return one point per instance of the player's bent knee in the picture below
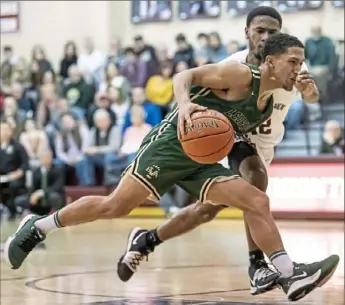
(260, 202)
(205, 212)
(113, 207)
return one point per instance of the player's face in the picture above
(286, 66)
(258, 31)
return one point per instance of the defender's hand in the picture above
(184, 115)
(305, 83)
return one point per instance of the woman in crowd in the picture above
(35, 142)
(70, 145)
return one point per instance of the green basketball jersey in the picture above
(244, 115)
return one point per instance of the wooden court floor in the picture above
(207, 266)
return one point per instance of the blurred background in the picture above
(83, 82)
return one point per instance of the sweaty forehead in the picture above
(265, 22)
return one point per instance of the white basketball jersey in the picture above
(271, 133)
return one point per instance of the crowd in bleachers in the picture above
(93, 111)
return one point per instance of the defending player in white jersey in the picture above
(250, 156)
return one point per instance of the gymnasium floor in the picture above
(207, 266)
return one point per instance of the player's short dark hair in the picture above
(202, 35)
(264, 11)
(278, 44)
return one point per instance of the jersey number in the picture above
(264, 128)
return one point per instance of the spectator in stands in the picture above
(135, 133)
(162, 53)
(147, 54)
(46, 105)
(61, 108)
(202, 49)
(114, 78)
(332, 139)
(216, 50)
(159, 88)
(233, 47)
(13, 166)
(46, 192)
(70, 58)
(71, 143)
(135, 70)
(153, 114)
(105, 141)
(185, 51)
(24, 103)
(116, 54)
(119, 104)
(21, 73)
(91, 62)
(40, 64)
(77, 91)
(320, 53)
(180, 66)
(101, 102)
(7, 68)
(35, 142)
(14, 116)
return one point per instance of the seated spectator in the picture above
(78, 93)
(91, 62)
(105, 141)
(216, 50)
(159, 88)
(113, 78)
(119, 104)
(332, 139)
(70, 57)
(162, 53)
(70, 145)
(180, 66)
(147, 54)
(185, 51)
(21, 73)
(115, 53)
(101, 102)
(202, 50)
(134, 134)
(153, 115)
(24, 103)
(135, 70)
(13, 166)
(7, 68)
(46, 105)
(14, 116)
(39, 64)
(233, 47)
(35, 142)
(46, 192)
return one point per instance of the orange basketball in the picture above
(210, 139)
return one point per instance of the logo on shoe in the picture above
(304, 274)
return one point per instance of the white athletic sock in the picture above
(49, 223)
(282, 262)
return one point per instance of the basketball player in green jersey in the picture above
(250, 155)
(243, 94)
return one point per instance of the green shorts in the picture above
(161, 163)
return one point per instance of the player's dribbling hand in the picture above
(184, 115)
(305, 83)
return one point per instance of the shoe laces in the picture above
(134, 258)
(265, 269)
(29, 241)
